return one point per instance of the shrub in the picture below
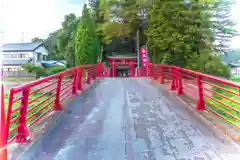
(42, 72)
(57, 69)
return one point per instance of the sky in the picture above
(38, 18)
(35, 18)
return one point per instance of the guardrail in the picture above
(30, 102)
(216, 95)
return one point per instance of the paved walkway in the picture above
(129, 119)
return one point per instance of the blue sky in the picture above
(38, 18)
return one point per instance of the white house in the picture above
(16, 54)
(235, 69)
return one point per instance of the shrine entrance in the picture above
(122, 66)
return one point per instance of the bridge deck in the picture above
(127, 119)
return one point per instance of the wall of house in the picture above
(16, 71)
(235, 71)
(17, 55)
(40, 54)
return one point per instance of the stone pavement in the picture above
(130, 119)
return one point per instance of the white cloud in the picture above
(35, 18)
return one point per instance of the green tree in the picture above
(87, 43)
(66, 38)
(223, 25)
(183, 34)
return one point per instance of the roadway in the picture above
(130, 119)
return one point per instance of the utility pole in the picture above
(22, 36)
(138, 48)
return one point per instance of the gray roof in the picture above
(18, 47)
(18, 62)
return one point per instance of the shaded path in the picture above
(128, 119)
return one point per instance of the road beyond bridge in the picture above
(130, 119)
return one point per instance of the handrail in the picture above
(28, 103)
(217, 95)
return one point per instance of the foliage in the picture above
(66, 38)
(223, 103)
(57, 69)
(223, 26)
(38, 109)
(87, 44)
(235, 78)
(42, 72)
(185, 35)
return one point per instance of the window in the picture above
(39, 57)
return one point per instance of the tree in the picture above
(36, 39)
(182, 34)
(66, 38)
(223, 25)
(87, 43)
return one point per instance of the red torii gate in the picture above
(131, 61)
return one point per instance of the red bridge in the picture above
(160, 112)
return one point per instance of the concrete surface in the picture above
(129, 119)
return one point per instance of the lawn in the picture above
(17, 104)
(19, 79)
(226, 102)
(235, 78)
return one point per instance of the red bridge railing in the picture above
(30, 102)
(216, 95)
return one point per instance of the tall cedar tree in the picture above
(87, 44)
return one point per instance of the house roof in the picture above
(18, 47)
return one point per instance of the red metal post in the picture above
(94, 72)
(161, 74)
(3, 129)
(23, 133)
(74, 86)
(58, 106)
(113, 69)
(131, 66)
(201, 103)
(155, 67)
(79, 81)
(100, 68)
(173, 83)
(88, 76)
(179, 82)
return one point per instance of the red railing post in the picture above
(173, 83)
(161, 74)
(88, 76)
(58, 106)
(94, 72)
(100, 67)
(113, 69)
(79, 79)
(131, 66)
(74, 86)
(3, 131)
(201, 103)
(179, 81)
(23, 133)
(155, 68)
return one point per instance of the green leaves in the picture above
(87, 46)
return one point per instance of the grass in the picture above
(236, 78)
(17, 104)
(226, 102)
(19, 79)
